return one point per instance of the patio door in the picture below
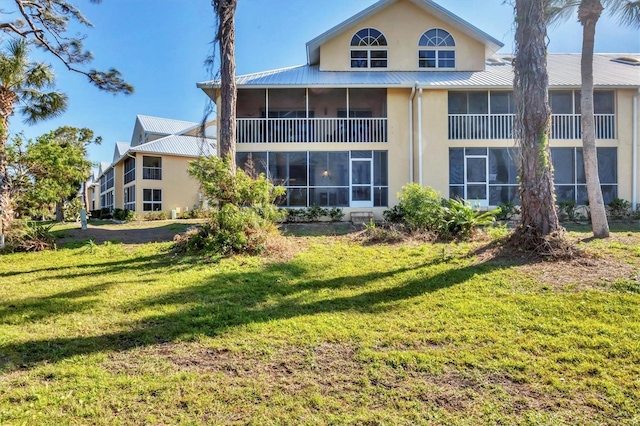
(476, 188)
(361, 182)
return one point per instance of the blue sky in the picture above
(160, 47)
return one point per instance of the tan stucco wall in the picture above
(435, 143)
(179, 190)
(402, 24)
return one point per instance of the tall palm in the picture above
(225, 11)
(21, 86)
(589, 12)
(531, 83)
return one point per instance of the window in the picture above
(321, 178)
(129, 170)
(569, 178)
(481, 114)
(152, 168)
(440, 52)
(566, 110)
(366, 49)
(151, 200)
(490, 175)
(107, 181)
(130, 197)
(106, 200)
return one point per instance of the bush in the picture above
(124, 215)
(507, 211)
(105, 213)
(30, 236)
(71, 210)
(619, 209)
(159, 215)
(423, 210)
(246, 213)
(567, 210)
(336, 214)
(394, 214)
(461, 219)
(314, 213)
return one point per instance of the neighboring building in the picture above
(405, 91)
(149, 174)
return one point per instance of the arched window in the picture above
(437, 49)
(368, 49)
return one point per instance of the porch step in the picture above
(359, 218)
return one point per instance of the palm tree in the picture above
(21, 85)
(589, 12)
(225, 11)
(531, 82)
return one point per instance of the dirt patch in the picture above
(334, 370)
(128, 233)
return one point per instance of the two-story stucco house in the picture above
(149, 174)
(405, 91)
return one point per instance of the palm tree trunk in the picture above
(533, 116)
(226, 10)
(6, 211)
(589, 12)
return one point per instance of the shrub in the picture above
(71, 210)
(507, 211)
(246, 213)
(159, 215)
(315, 212)
(105, 213)
(30, 236)
(567, 210)
(422, 207)
(619, 209)
(336, 214)
(461, 219)
(394, 214)
(124, 215)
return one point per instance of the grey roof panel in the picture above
(184, 146)
(165, 126)
(564, 71)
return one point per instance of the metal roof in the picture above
(183, 146)
(165, 126)
(563, 68)
(120, 150)
(491, 44)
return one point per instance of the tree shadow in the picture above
(226, 301)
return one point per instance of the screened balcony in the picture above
(314, 115)
(500, 126)
(490, 114)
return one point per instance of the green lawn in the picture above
(341, 334)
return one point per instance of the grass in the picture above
(341, 334)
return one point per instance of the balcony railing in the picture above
(263, 130)
(153, 173)
(500, 126)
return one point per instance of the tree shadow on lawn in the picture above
(121, 233)
(226, 301)
(137, 263)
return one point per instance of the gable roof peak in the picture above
(491, 44)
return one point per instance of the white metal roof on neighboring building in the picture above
(120, 150)
(165, 126)
(563, 68)
(183, 146)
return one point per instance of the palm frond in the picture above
(627, 12)
(558, 11)
(39, 106)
